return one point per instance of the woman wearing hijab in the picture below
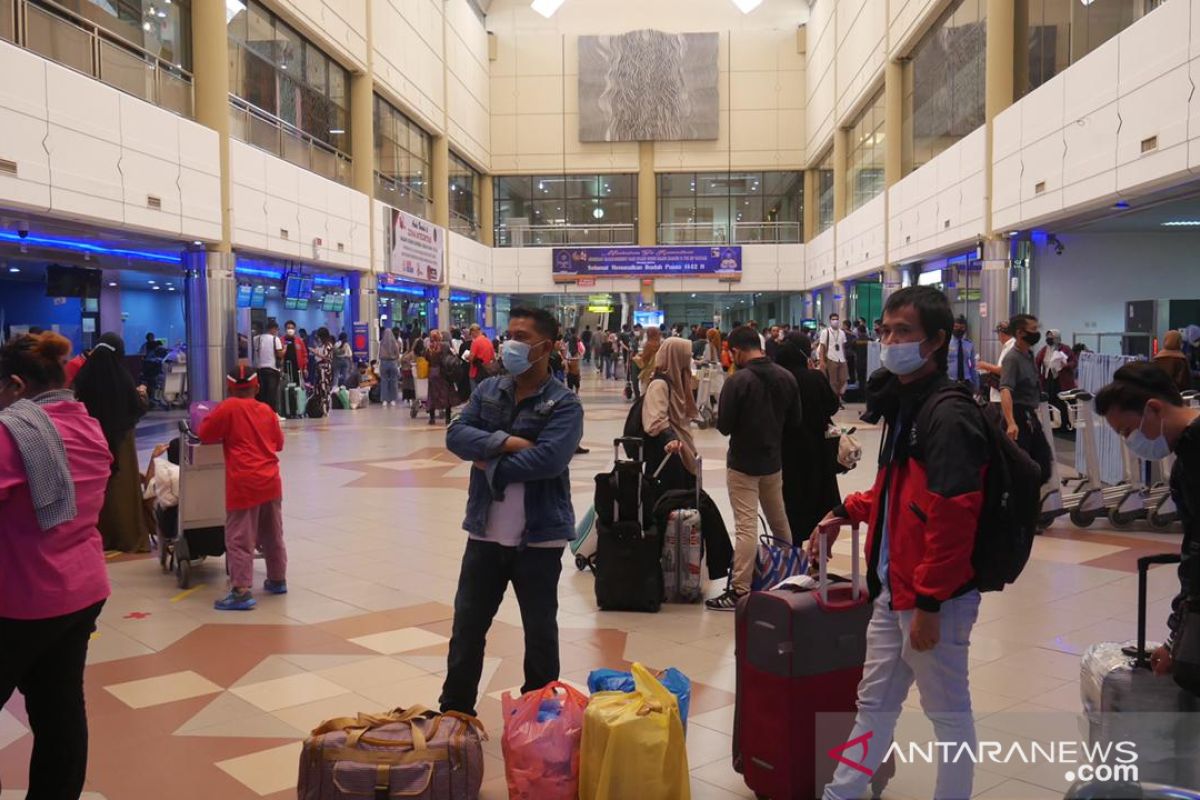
(667, 412)
(441, 393)
(106, 388)
(54, 468)
(810, 487)
(389, 368)
(646, 360)
(1173, 361)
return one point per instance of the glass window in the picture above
(402, 161)
(944, 83)
(1053, 34)
(285, 76)
(864, 156)
(590, 209)
(464, 197)
(730, 206)
(825, 193)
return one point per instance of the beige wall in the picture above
(409, 63)
(467, 86)
(534, 86)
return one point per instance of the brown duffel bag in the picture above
(413, 753)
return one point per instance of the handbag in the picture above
(776, 561)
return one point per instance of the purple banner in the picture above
(572, 263)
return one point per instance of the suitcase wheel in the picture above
(183, 574)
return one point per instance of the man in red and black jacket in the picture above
(922, 514)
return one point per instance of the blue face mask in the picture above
(1146, 448)
(515, 356)
(902, 359)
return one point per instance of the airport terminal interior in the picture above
(328, 196)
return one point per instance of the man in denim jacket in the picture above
(520, 430)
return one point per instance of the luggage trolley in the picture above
(201, 529)
(710, 383)
(1079, 497)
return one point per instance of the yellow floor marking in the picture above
(186, 592)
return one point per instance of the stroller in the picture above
(199, 530)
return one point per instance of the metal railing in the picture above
(67, 38)
(400, 195)
(564, 235)
(464, 225)
(766, 232)
(264, 130)
(719, 233)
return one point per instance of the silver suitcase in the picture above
(1126, 702)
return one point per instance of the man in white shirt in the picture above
(1007, 342)
(266, 351)
(831, 347)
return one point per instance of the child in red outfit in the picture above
(251, 436)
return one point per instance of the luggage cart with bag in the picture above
(200, 532)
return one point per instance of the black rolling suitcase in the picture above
(629, 547)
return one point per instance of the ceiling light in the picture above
(547, 7)
(156, 288)
(197, 242)
(14, 269)
(1182, 223)
(598, 213)
(336, 131)
(747, 6)
(152, 281)
(112, 284)
(170, 288)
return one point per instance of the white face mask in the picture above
(902, 359)
(1145, 447)
(835, 324)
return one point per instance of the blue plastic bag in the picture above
(615, 680)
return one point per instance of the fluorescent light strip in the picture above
(547, 7)
(747, 6)
(1182, 223)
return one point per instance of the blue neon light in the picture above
(391, 289)
(258, 272)
(461, 298)
(81, 246)
(1039, 238)
(323, 280)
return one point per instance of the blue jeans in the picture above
(341, 370)
(891, 668)
(389, 381)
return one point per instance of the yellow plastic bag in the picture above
(633, 744)
(422, 367)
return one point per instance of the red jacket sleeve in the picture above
(956, 448)
(215, 426)
(858, 506)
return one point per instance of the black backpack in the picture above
(452, 368)
(1012, 495)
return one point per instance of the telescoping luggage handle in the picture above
(823, 566)
(641, 452)
(699, 472)
(1141, 658)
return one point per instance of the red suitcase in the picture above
(799, 655)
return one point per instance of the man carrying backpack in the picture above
(922, 514)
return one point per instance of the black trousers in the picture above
(1031, 437)
(44, 659)
(487, 569)
(268, 387)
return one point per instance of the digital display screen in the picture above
(291, 304)
(333, 302)
(258, 297)
(306, 288)
(243, 295)
(292, 285)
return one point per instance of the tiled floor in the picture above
(186, 702)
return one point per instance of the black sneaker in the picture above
(579, 451)
(725, 601)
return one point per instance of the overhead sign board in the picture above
(573, 263)
(418, 248)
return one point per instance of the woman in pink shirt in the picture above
(54, 467)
